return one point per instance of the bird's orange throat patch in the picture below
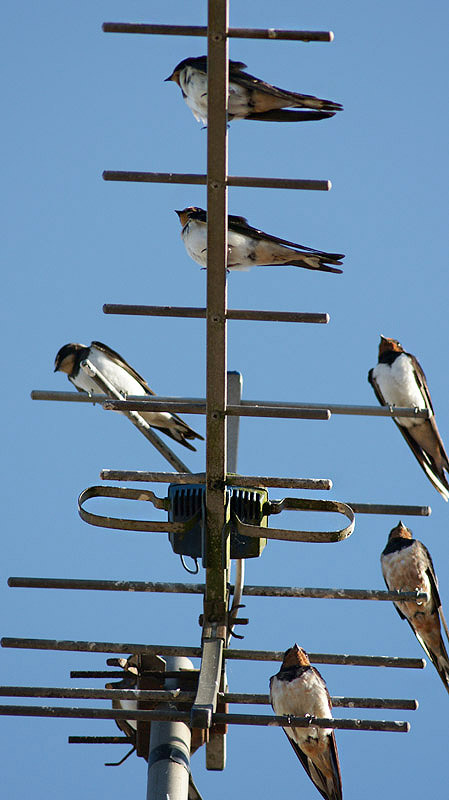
(295, 656)
(67, 364)
(400, 532)
(389, 346)
(174, 77)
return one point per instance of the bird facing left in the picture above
(96, 368)
(249, 97)
(250, 247)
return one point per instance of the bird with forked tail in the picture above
(299, 690)
(249, 97)
(250, 247)
(407, 566)
(399, 380)
(92, 368)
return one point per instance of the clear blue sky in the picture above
(77, 101)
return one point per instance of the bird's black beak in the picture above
(168, 79)
(178, 213)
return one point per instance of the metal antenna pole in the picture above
(169, 756)
(235, 384)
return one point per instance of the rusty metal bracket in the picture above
(300, 504)
(118, 523)
(245, 529)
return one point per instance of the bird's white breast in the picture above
(302, 696)
(241, 251)
(83, 381)
(120, 379)
(115, 374)
(398, 385)
(126, 384)
(406, 570)
(194, 236)
(241, 248)
(194, 86)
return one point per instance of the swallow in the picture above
(398, 380)
(77, 360)
(407, 566)
(249, 97)
(249, 247)
(299, 690)
(130, 680)
(129, 726)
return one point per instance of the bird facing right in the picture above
(407, 566)
(299, 690)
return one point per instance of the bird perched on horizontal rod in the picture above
(398, 380)
(299, 690)
(249, 247)
(249, 97)
(407, 566)
(131, 675)
(96, 368)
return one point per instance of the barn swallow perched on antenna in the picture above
(407, 566)
(128, 726)
(398, 380)
(131, 674)
(130, 680)
(249, 247)
(299, 690)
(249, 97)
(90, 369)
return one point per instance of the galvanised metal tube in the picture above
(183, 402)
(231, 313)
(215, 560)
(171, 695)
(198, 588)
(169, 753)
(99, 740)
(196, 179)
(244, 410)
(251, 481)
(201, 30)
(219, 719)
(195, 652)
